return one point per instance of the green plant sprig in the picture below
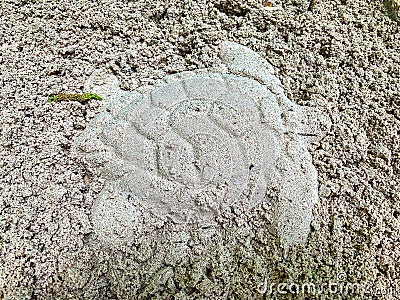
(73, 97)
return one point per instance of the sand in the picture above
(340, 56)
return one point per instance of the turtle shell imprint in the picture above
(197, 143)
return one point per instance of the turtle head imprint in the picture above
(198, 143)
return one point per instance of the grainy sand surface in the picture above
(340, 56)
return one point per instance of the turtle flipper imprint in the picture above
(198, 143)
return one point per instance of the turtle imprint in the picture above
(198, 143)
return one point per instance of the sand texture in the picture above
(341, 58)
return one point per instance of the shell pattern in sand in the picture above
(197, 143)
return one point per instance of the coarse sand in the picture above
(340, 56)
